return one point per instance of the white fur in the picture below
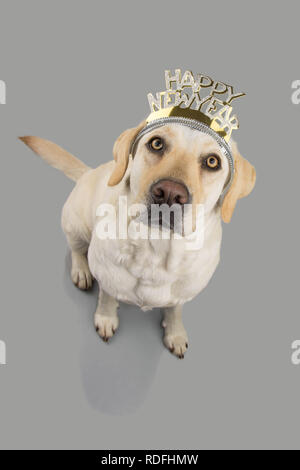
(147, 273)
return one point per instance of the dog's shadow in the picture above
(116, 375)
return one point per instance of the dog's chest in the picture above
(152, 273)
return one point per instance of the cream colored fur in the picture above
(147, 273)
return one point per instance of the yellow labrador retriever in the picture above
(171, 164)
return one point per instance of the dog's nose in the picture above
(169, 192)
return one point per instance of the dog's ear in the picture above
(242, 185)
(121, 151)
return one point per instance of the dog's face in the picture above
(178, 165)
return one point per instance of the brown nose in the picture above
(169, 192)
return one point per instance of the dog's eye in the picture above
(156, 144)
(212, 162)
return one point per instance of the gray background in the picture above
(78, 73)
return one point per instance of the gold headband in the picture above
(185, 97)
(183, 103)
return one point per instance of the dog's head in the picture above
(175, 164)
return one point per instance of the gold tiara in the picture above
(199, 98)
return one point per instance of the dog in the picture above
(172, 164)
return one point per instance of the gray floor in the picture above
(78, 74)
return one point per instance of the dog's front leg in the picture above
(80, 272)
(106, 316)
(175, 336)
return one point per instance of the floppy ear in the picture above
(121, 151)
(242, 185)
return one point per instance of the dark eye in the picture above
(156, 144)
(212, 162)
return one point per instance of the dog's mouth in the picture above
(167, 201)
(166, 217)
(163, 217)
(166, 204)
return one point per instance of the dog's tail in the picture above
(56, 156)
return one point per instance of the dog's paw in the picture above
(106, 326)
(82, 278)
(176, 343)
(80, 272)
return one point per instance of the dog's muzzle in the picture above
(167, 201)
(167, 191)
